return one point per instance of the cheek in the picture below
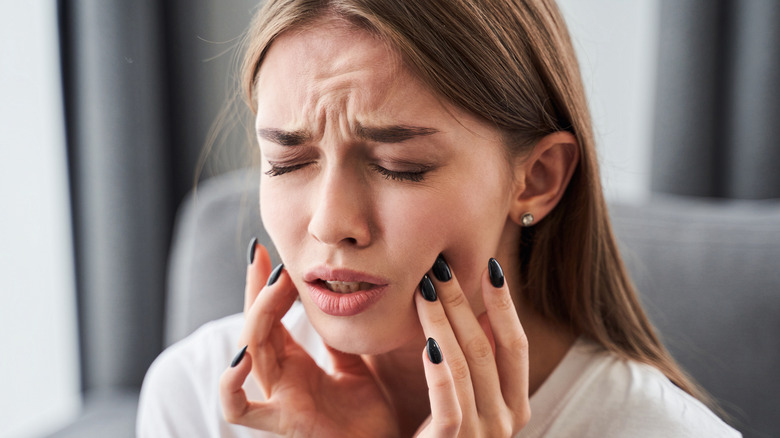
(281, 218)
(462, 223)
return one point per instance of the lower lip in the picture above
(337, 304)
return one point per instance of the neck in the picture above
(547, 346)
(402, 377)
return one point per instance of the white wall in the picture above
(39, 380)
(616, 43)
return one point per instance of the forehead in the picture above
(328, 48)
(331, 62)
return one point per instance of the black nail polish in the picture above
(239, 356)
(496, 273)
(426, 288)
(275, 274)
(250, 252)
(434, 352)
(441, 270)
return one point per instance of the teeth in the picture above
(347, 287)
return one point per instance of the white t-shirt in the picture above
(592, 393)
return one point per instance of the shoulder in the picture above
(641, 400)
(598, 394)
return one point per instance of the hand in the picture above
(301, 399)
(478, 389)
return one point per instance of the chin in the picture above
(367, 333)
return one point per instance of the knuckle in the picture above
(439, 384)
(480, 351)
(502, 426)
(454, 299)
(522, 417)
(449, 423)
(519, 346)
(232, 415)
(503, 302)
(459, 369)
(439, 318)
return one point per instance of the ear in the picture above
(541, 178)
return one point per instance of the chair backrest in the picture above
(708, 273)
(207, 263)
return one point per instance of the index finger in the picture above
(236, 407)
(474, 343)
(265, 336)
(511, 344)
(257, 272)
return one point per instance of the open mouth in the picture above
(346, 287)
(343, 292)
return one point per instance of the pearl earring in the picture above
(527, 219)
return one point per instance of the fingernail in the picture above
(426, 288)
(275, 274)
(239, 356)
(250, 254)
(441, 270)
(434, 352)
(496, 273)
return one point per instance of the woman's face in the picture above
(368, 177)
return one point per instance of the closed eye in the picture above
(277, 169)
(411, 176)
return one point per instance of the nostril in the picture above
(351, 240)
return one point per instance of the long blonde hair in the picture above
(512, 63)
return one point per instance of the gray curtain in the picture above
(118, 139)
(144, 80)
(718, 101)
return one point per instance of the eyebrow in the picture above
(392, 134)
(378, 134)
(284, 138)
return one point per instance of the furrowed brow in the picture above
(392, 134)
(284, 138)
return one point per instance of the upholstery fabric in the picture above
(708, 275)
(207, 265)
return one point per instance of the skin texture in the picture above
(341, 212)
(336, 197)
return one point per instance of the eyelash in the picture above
(401, 176)
(416, 176)
(277, 170)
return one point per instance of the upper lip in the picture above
(328, 273)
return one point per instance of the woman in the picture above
(408, 147)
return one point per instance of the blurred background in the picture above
(106, 106)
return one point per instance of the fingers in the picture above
(480, 363)
(487, 357)
(446, 415)
(511, 344)
(268, 307)
(263, 332)
(236, 408)
(436, 325)
(257, 271)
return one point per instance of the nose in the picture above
(341, 214)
